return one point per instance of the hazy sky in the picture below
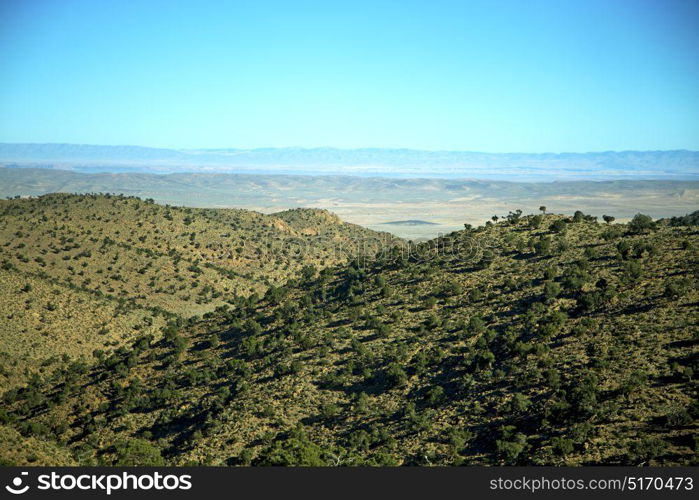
(497, 76)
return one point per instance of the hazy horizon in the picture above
(223, 148)
(373, 162)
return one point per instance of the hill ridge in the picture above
(535, 339)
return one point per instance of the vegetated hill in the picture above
(86, 272)
(371, 202)
(685, 220)
(536, 340)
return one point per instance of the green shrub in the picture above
(511, 444)
(295, 450)
(558, 226)
(138, 453)
(641, 224)
(562, 446)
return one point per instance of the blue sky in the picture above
(496, 76)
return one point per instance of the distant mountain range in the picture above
(678, 165)
(411, 222)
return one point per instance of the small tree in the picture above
(551, 290)
(542, 247)
(361, 406)
(511, 444)
(535, 222)
(308, 272)
(435, 395)
(641, 224)
(382, 330)
(633, 383)
(214, 341)
(632, 271)
(519, 403)
(138, 452)
(624, 248)
(543, 209)
(562, 446)
(608, 219)
(396, 375)
(677, 288)
(476, 325)
(558, 226)
(644, 450)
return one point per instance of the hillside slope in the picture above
(535, 340)
(82, 272)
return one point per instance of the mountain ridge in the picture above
(362, 161)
